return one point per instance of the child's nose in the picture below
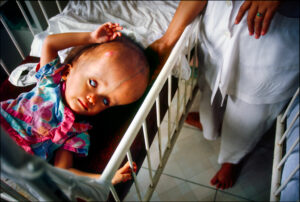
(91, 99)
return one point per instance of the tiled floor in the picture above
(193, 162)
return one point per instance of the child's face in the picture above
(96, 84)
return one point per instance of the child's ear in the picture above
(66, 71)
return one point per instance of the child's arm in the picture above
(64, 159)
(54, 43)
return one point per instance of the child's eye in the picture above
(105, 101)
(93, 83)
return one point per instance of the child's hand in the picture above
(124, 173)
(106, 32)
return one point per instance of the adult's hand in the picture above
(162, 50)
(260, 14)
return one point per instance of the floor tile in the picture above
(192, 151)
(154, 151)
(202, 193)
(193, 162)
(221, 196)
(171, 189)
(167, 183)
(143, 180)
(256, 167)
(204, 177)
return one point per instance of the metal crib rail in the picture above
(138, 120)
(279, 159)
(46, 182)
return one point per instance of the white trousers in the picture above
(239, 124)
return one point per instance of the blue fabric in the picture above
(291, 191)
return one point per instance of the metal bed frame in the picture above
(279, 159)
(37, 173)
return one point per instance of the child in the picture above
(102, 73)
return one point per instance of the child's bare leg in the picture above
(193, 119)
(225, 177)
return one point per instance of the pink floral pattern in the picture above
(40, 122)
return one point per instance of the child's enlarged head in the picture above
(105, 75)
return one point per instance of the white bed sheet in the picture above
(144, 21)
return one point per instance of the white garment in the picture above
(257, 71)
(240, 124)
(258, 75)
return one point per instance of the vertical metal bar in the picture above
(58, 6)
(185, 96)
(193, 67)
(178, 95)
(4, 67)
(169, 108)
(114, 192)
(148, 153)
(43, 11)
(137, 187)
(12, 37)
(192, 76)
(158, 129)
(33, 15)
(290, 105)
(276, 174)
(186, 82)
(25, 17)
(289, 128)
(168, 151)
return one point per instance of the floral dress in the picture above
(40, 122)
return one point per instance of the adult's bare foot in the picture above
(225, 177)
(193, 119)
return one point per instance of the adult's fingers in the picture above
(267, 20)
(259, 19)
(250, 19)
(244, 7)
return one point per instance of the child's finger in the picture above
(115, 35)
(134, 166)
(125, 168)
(126, 177)
(118, 28)
(108, 31)
(115, 24)
(109, 24)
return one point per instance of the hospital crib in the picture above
(25, 177)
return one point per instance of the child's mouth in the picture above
(83, 105)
